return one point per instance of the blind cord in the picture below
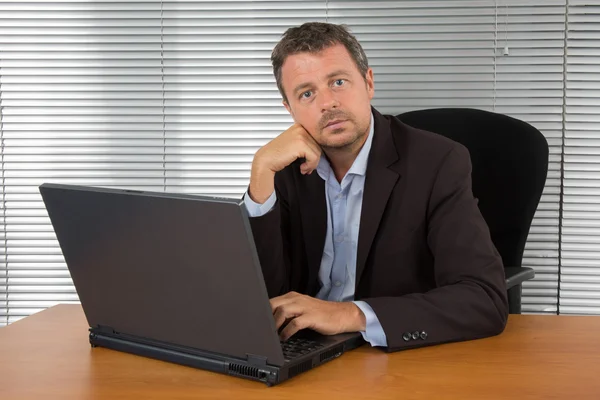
(162, 79)
(5, 258)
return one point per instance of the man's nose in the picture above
(328, 101)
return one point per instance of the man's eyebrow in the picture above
(336, 73)
(329, 76)
(301, 86)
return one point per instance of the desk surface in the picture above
(48, 356)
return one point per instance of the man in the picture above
(362, 223)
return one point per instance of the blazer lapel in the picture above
(379, 183)
(314, 225)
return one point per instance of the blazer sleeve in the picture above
(271, 233)
(470, 298)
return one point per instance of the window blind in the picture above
(580, 271)
(529, 86)
(81, 104)
(3, 263)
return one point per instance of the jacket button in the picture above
(406, 336)
(415, 335)
(423, 335)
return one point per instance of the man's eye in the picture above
(340, 82)
(306, 94)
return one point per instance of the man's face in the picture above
(327, 87)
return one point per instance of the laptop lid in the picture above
(167, 267)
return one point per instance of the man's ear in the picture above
(289, 109)
(370, 83)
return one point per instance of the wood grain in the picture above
(48, 356)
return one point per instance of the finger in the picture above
(306, 168)
(298, 323)
(313, 146)
(283, 299)
(307, 136)
(308, 141)
(285, 313)
(308, 149)
(311, 162)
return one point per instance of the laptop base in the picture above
(256, 369)
(266, 373)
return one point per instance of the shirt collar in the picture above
(359, 166)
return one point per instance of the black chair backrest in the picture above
(510, 165)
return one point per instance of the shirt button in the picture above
(338, 283)
(339, 239)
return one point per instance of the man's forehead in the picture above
(331, 54)
(310, 66)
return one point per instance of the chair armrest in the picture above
(517, 275)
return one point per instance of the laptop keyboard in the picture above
(296, 347)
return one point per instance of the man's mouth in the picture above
(335, 123)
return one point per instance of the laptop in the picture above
(177, 278)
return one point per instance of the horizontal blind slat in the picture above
(580, 273)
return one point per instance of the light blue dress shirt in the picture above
(337, 273)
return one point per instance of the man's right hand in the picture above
(280, 152)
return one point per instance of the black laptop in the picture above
(177, 278)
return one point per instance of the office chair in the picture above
(510, 165)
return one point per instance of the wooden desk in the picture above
(540, 357)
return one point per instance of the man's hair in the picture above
(313, 37)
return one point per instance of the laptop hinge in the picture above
(259, 361)
(105, 329)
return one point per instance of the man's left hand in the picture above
(325, 317)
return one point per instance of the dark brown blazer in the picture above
(425, 262)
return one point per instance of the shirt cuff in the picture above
(374, 333)
(258, 210)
